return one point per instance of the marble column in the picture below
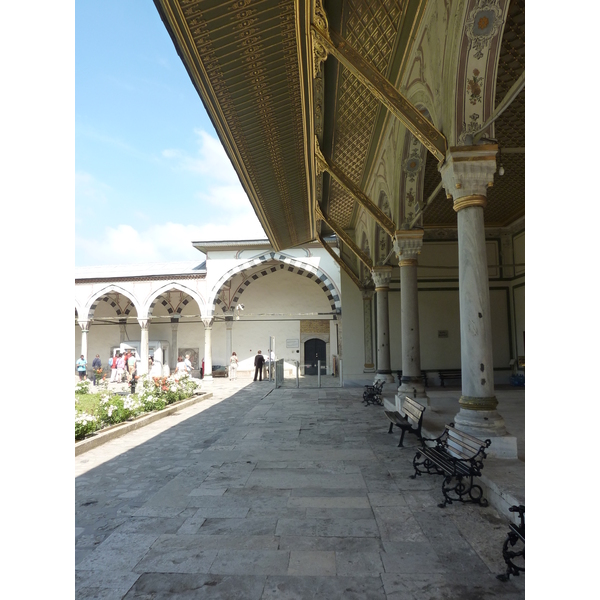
(85, 328)
(208, 323)
(143, 368)
(122, 330)
(382, 276)
(367, 295)
(228, 337)
(466, 174)
(407, 245)
(174, 344)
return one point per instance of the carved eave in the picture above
(247, 62)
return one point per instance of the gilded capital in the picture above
(468, 171)
(408, 243)
(381, 276)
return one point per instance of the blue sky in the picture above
(150, 173)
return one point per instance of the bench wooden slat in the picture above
(411, 421)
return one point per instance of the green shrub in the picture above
(116, 409)
(82, 387)
(84, 424)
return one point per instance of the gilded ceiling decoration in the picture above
(370, 28)
(506, 199)
(252, 63)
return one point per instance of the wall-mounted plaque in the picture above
(442, 333)
(292, 343)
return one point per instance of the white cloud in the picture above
(211, 160)
(168, 242)
(223, 212)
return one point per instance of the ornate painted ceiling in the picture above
(252, 63)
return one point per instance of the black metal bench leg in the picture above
(391, 427)
(461, 491)
(401, 438)
(510, 555)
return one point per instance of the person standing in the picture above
(113, 368)
(233, 365)
(131, 364)
(96, 365)
(259, 361)
(81, 368)
(181, 368)
(120, 367)
(188, 364)
(126, 356)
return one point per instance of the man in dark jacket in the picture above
(259, 361)
(96, 364)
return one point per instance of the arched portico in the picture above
(272, 262)
(174, 314)
(106, 318)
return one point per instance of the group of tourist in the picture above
(122, 363)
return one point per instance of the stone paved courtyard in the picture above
(289, 494)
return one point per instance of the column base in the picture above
(207, 378)
(409, 388)
(386, 377)
(488, 424)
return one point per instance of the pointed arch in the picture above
(273, 262)
(153, 297)
(102, 295)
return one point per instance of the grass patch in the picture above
(88, 403)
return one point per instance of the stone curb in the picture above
(116, 431)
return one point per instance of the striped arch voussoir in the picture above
(282, 262)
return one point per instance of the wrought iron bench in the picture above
(372, 393)
(412, 420)
(449, 374)
(458, 456)
(515, 537)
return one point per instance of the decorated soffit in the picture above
(506, 199)
(244, 57)
(371, 27)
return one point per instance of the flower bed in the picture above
(155, 393)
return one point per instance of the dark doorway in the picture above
(314, 350)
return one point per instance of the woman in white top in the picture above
(233, 365)
(181, 368)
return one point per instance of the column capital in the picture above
(408, 243)
(467, 173)
(208, 322)
(381, 276)
(144, 323)
(367, 293)
(85, 325)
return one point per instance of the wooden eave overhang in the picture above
(246, 61)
